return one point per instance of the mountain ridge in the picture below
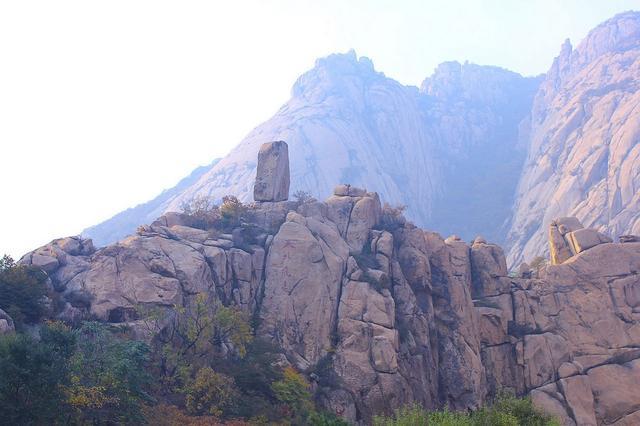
(347, 122)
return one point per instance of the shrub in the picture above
(293, 392)
(170, 415)
(32, 374)
(323, 370)
(202, 211)
(232, 325)
(406, 416)
(22, 291)
(232, 211)
(522, 410)
(209, 393)
(321, 418)
(303, 197)
(507, 410)
(538, 264)
(392, 218)
(108, 377)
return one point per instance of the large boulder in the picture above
(272, 175)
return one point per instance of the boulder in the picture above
(6, 323)
(559, 248)
(272, 175)
(585, 238)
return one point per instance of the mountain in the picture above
(584, 140)
(446, 149)
(474, 150)
(373, 310)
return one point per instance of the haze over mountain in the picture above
(584, 146)
(441, 150)
(454, 150)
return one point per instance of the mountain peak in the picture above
(334, 69)
(618, 34)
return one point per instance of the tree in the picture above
(33, 373)
(209, 393)
(108, 377)
(232, 325)
(187, 336)
(232, 211)
(293, 391)
(204, 213)
(22, 291)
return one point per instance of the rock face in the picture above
(272, 174)
(423, 148)
(393, 314)
(584, 150)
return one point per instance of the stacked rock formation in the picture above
(396, 313)
(567, 237)
(272, 176)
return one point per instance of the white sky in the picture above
(105, 103)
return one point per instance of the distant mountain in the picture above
(584, 142)
(474, 150)
(126, 222)
(444, 150)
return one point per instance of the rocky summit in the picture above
(394, 314)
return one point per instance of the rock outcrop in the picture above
(584, 149)
(567, 237)
(393, 314)
(272, 173)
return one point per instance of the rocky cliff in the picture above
(394, 314)
(584, 149)
(442, 150)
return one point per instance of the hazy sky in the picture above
(105, 103)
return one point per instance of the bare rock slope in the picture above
(397, 313)
(584, 150)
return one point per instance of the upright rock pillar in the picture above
(272, 177)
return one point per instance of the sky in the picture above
(105, 104)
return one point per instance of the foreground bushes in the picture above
(507, 410)
(22, 291)
(83, 376)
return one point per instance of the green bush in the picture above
(507, 410)
(108, 377)
(22, 291)
(32, 373)
(209, 393)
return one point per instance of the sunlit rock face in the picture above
(443, 150)
(584, 149)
